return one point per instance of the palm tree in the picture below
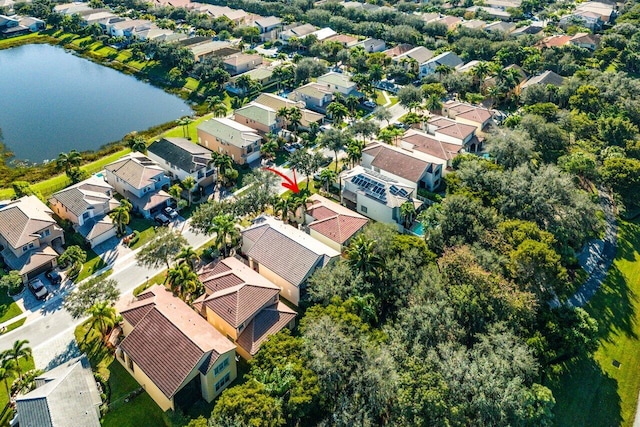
(297, 202)
(18, 350)
(328, 177)
(337, 112)
(281, 206)
(121, 215)
(407, 213)
(182, 280)
(103, 317)
(361, 256)
(334, 140)
(226, 232)
(283, 114)
(219, 109)
(269, 148)
(188, 184)
(67, 161)
(354, 153)
(188, 255)
(295, 118)
(351, 103)
(7, 372)
(222, 162)
(433, 103)
(185, 122)
(480, 71)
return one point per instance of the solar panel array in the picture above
(371, 187)
(398, 191)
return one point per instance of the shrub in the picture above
(12, 282)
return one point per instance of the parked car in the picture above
(326, 161)
(162, 219)
(369, 104)
(54, 276)
(289, 148)
(38, 288)
(170, 212)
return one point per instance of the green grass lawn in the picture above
(8, 308)
(593, 391)
(25, 365)
(141, 411)
(93, 264)
(146, 229)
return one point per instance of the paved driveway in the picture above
(111, 250)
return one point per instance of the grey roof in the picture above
(447, 58)
(546, 78)
(23, 219)
(65, 396)
(136, 170)
(181, 153)
(302, 253)
(83, 195)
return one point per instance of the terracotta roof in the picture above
(476, 115)
(171, 340)
(268, 322)
(238, 304)
(222, 282)
(451, 128)
(555, 41)
(424, 143)
(320, 212)
(399, 164)
(21, 220)
(339, 228)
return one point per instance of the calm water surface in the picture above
(52, 101)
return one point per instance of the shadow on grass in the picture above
(613, 306)
(586, 396)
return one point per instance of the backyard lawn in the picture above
(146, 228)
(140, 411)
(8, 308)
(594, 391)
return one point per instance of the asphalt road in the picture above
(51, 323)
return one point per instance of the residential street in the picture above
(50, 328)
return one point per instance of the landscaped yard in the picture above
(594, 391)
(141, 411)
(146, 228)
(25, 365)
(8, 307)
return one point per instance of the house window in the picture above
(46, 232)
(224, 381)
(221, 366)
(363, 209)
(25, 248)
(129, 362)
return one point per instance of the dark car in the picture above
(162, 219)
(38, 289)
(54, 276)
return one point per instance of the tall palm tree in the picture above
(354, 153)
(182, 280)
(328, 177)
(407, 213)
(188, 184)
(67, 161)
(185, 122)
(269, 148)
(7, 372)
(226, 232)
(361, 256)
(222, 162)
(19, 349)
(121, 215)
(337, 111)
(479, 72)
(433, 103)
(283, 114)
(295, 118)
(189, 256)
(103, 317)
(351, 103)
(281, 206)
(219, 110)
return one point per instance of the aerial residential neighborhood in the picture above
(330, 213)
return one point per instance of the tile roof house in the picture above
(299, 32)
(338, 82)
(277, 102)
(181, 158)
(65, 396)
(315, 96)
(259, 117)
(373, 45)
(449, 59)
(141, 181)
(262, 75)
(413, 169)
(211, 48)
(27, 235)
(586, 40)
(546, 78)
(175, 354)
(468, 114)
(375, 195)
(500, 27)
(241, 63)
(228, 136)
(493, 12)
(591, 14)
(331, 223)
(417, 140)
(454, 132)
(418, 56)
(86, 204)
(242, 305)
(284, 255)
(398, 50)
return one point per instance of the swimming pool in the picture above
(417, 229)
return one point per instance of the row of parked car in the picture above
(168, 214)
(38, 288)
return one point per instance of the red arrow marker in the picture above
(291, 185)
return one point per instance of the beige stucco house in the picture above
(28, 233)
(227, 136)
(242, 305)
(86, 204)
(175, 355)
(331, 223)
(285, 255)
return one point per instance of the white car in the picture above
(38, 288)
(170, 212)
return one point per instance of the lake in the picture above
(52, 101)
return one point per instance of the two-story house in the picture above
(172, 352)
(242, 305)
(241, 63)
(227, 136)
(375, 195)
(140, 180)
(448, 59)
(86, 204)
(28, 233)
(338, 82)
(261, 75)
(417, 140)
(410, 168)
(259, 117)
(269, 27)
(468, 114)
(284, 255)
(276, 102)
(453, 132)
(315, 96)
(331, 223)
(182, 158)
